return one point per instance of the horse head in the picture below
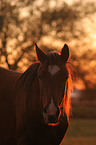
(53, 77)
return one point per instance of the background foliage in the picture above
(50, 23)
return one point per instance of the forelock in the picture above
(53, 58)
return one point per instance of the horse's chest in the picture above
(43, 136)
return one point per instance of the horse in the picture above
(35, 105)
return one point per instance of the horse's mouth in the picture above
(50, 119)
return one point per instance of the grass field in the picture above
(81, 132)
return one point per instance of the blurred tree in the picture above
(85, 67)
(24, 21)
(13, 34)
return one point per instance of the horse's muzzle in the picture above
(52, 119)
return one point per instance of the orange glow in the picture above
(79, 84)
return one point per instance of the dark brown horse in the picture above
(35, 105)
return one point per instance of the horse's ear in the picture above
(40, 53)
(65, 53)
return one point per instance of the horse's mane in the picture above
(30, 74)
(24, 84)
(23, 88)
(53, 58)
(66, 103)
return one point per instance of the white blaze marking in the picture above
(52, 108)
(53, 69)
